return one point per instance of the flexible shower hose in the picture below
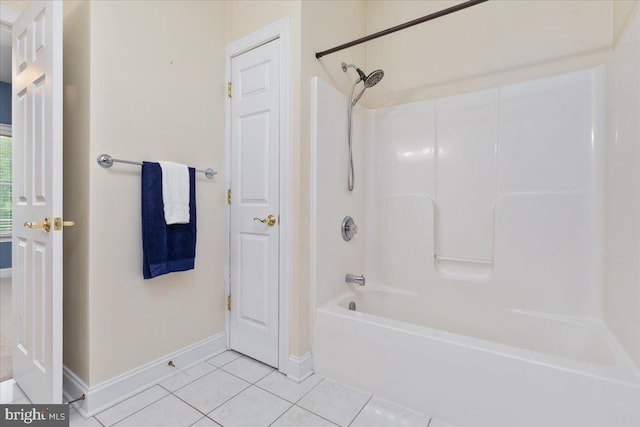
(350, 169)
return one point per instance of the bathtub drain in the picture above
(352, 306)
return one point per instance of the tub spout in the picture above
(352, 278)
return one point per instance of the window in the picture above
(5, 180)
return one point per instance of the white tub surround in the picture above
(480, 233)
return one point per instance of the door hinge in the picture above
(229, 89)
(229, 196)
(229, 302)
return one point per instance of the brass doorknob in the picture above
(46, 224)
(270, 220)
(58, 223)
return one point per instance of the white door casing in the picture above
(255, 185)
(37, 194)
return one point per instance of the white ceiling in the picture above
(5, 53)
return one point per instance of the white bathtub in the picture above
(509, 368)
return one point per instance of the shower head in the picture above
(369, 81)
(373, 78)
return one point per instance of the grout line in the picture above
(429, 422)
(200, 419)
(360, 411)
(234, 375)
(281, 397)
(190, 382)
(280, 416)
(243, 379)
(159, 385)
(209, 363)
(206, 413)
(224, 364)
(133, 413)
(310, 390)
(316, 414)
(273, 394)
(189, 404)
(293, 403)
(313, 413)
(241, 391)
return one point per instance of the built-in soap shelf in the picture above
(471, 270)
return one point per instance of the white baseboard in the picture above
(72, 388)
(5, 272)
(300, 367)
(117, 389)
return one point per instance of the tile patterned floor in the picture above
(232, 390)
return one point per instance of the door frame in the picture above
(279, 29)
(8, 16)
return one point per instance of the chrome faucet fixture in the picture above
(352, 278)
(349, 228)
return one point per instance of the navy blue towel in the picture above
(165, 248)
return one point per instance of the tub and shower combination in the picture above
(481, 234)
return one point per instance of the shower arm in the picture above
(361, 73)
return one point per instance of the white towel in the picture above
(175, 192)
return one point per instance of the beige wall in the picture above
(17, 5)
(157, 92)
(488, 45)
(622, 12)
(76, 117)
(152, 94)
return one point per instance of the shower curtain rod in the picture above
(417, 21)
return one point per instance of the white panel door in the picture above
(37, 194)
(255, 143)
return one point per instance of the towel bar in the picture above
(106, 161)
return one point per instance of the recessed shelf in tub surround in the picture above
(465, 151)
(464, 269)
